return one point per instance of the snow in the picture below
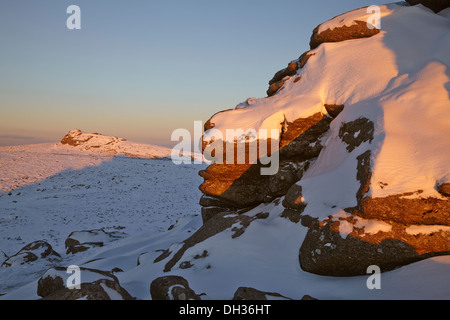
(70, 190)
(113, 295)
(348, 222)
(373, 226)
(445, 13)
(348, 19)
(417, 229)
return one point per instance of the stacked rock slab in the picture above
(229, 187)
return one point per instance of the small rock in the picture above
(247, 293)
(79, 241)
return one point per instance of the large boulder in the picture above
(94, 285)
(346, 245)
(97, 290)
(172, 288)
(343, 27)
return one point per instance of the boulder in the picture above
(248, 293)
(444, 189)
(79, 241)
(294, 199)
(356, 31)
(435, 5)
(95, 285)
(102, 289)
(172, 288)
(334, 109)
(346, 245)
(31, 252)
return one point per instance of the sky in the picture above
(139, 69)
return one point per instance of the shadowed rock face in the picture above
(435, 5)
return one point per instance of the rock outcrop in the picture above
(112, 146)
(90, 140)
(389, 229)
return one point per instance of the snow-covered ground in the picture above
(48, 191)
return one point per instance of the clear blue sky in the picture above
(139, 69)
